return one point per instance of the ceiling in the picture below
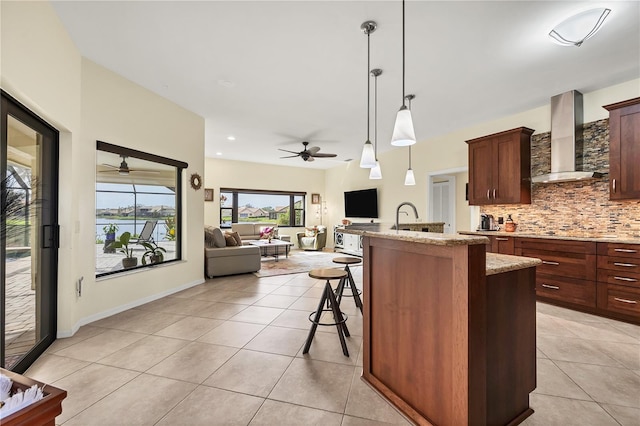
(275, 73)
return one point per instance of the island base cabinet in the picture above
(444, 342)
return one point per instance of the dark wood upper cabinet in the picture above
(500, 168)
(624, 149)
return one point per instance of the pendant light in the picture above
(403, 133)
(368, 159)
(409, 178)
(376, 172)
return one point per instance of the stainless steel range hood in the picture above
(566, 141)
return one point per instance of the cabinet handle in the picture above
(632, 280)
(494, 193)
(614, 185)
(632, 302)
(626, 265)
(501, 239)
(488, 194)
(547, 262)
(625, 250)
(552, 287)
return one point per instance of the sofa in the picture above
(251, 231)
(312, 238)
(220, 259)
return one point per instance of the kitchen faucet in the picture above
(405, 203)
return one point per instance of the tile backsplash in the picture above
(573, 208)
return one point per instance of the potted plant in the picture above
(153, 252)
(123, 245)
(110, 236)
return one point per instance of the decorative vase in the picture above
(129, 262)
(510, 225)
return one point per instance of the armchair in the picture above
(313, 238)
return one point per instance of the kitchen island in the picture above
(449, 331)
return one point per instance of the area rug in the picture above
(299, 261)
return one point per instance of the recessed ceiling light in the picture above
(218, 153)
(226, 83)
(231, 138)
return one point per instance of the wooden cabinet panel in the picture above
(567, 246)
(621, 299)
(620, 250)
(502, 245)
(500, 168)
(619, 264)
(570, 290)
(624, 149)
(562, 264)
(618, 277)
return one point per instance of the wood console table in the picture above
(41, 413)
(449, 334)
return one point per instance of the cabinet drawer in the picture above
(621, 264)
(562, 246)
(619, 250)
(559, 264)
(566, 289)
(502, 245)
(623, 278)
(625, 300)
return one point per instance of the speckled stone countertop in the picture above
(499, 263)
(598, 238)
(382, 231)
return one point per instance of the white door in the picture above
(442, 202)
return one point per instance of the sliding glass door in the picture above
(28, 235)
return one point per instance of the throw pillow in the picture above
(208, 236)
(236, 237)
(310, 232)
(229, 240)
(218, 238)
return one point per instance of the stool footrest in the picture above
(313, 314)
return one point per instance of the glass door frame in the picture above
(49, 229)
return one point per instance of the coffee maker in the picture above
(487, 222)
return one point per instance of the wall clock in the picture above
(196, 181)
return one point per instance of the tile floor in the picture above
(229, 352)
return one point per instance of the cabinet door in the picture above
(480, 172)
(506, 170)
(624, 153)
(503, 245)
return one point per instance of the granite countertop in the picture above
(593, 237)
(499, 263)
(382, 231)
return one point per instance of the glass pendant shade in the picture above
(409, 178)
(578, 28)
(375, 172)
(368, 159)
(403, 134)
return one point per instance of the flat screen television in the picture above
(362, 203)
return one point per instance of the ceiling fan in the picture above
(308, 154)
(123, 168)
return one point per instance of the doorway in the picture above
(28, 235)
(442, 201)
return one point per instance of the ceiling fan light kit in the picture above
(403, 133)
(368, 158)
(375, 172)
(574, 30)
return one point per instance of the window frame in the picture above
(292, 210)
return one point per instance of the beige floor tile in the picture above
(116, 320)
(293, 319)
(253, 373)
(150, 322)
(572, 349)
(222, 311)
(627, 354)
(626, 416)
(278, 340)
(97, 347)
(241, 298)
(599, 331)
(50, 367)
(354, 321)
(609, 385)
(276, 301)
(630, 329)
(209, 406)
(279, 279)
(357, 421)
(556, 411)
(83, 333)
(549, 325)
(232, 333)
(280, 413)
(290, 290)
(214, 294)
(306, 304)
(553, 381)
(190, 292)
(364, 402)
(326, 347)
(257, 315)
(189, 328)
(567, 314)
(304, 281)
(540, 354)
(186, 307)
(315, 384)
(315, 292)
(257, 288)
(144, 400)
(89, 385)
(144, 354)
(194, 363)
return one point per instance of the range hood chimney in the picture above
(566, 141)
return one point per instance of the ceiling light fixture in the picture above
(409, 178)
(376, 172)
(231, 138)
(403, 133)
(575, 30)
(368, 158)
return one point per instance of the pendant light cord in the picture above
(368, 82)
(403, 102)
(375, 117)
(409, 110)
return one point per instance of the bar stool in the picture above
(348, 280)
(332, 305)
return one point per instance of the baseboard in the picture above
(133, 304)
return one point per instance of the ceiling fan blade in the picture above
(313, 150)
(109, 165)
(144, 171)
(310, 158)
(324, 155)
(290, 156)
(286, 150)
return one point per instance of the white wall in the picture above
(42, 68)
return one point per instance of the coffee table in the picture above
(271, 248)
